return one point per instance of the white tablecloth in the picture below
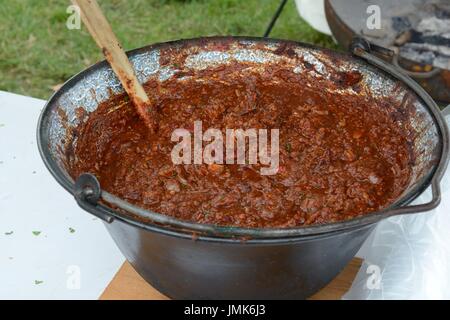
(49, 247)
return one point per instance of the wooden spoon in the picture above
(105, 38)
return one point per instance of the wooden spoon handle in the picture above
(105, 38)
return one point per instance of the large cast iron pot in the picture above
(188, 260)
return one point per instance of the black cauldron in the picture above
(189, 261)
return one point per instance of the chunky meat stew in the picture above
(341, 155)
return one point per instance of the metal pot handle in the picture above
(362, 48)
(87, 193)
(418, 75)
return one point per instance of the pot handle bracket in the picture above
(88, 193)
(362, 48)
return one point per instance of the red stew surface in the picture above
(342, 155)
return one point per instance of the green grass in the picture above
(37, 51)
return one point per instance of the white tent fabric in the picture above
(313, 12)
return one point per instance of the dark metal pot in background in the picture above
(189, 260)
(348, 18)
